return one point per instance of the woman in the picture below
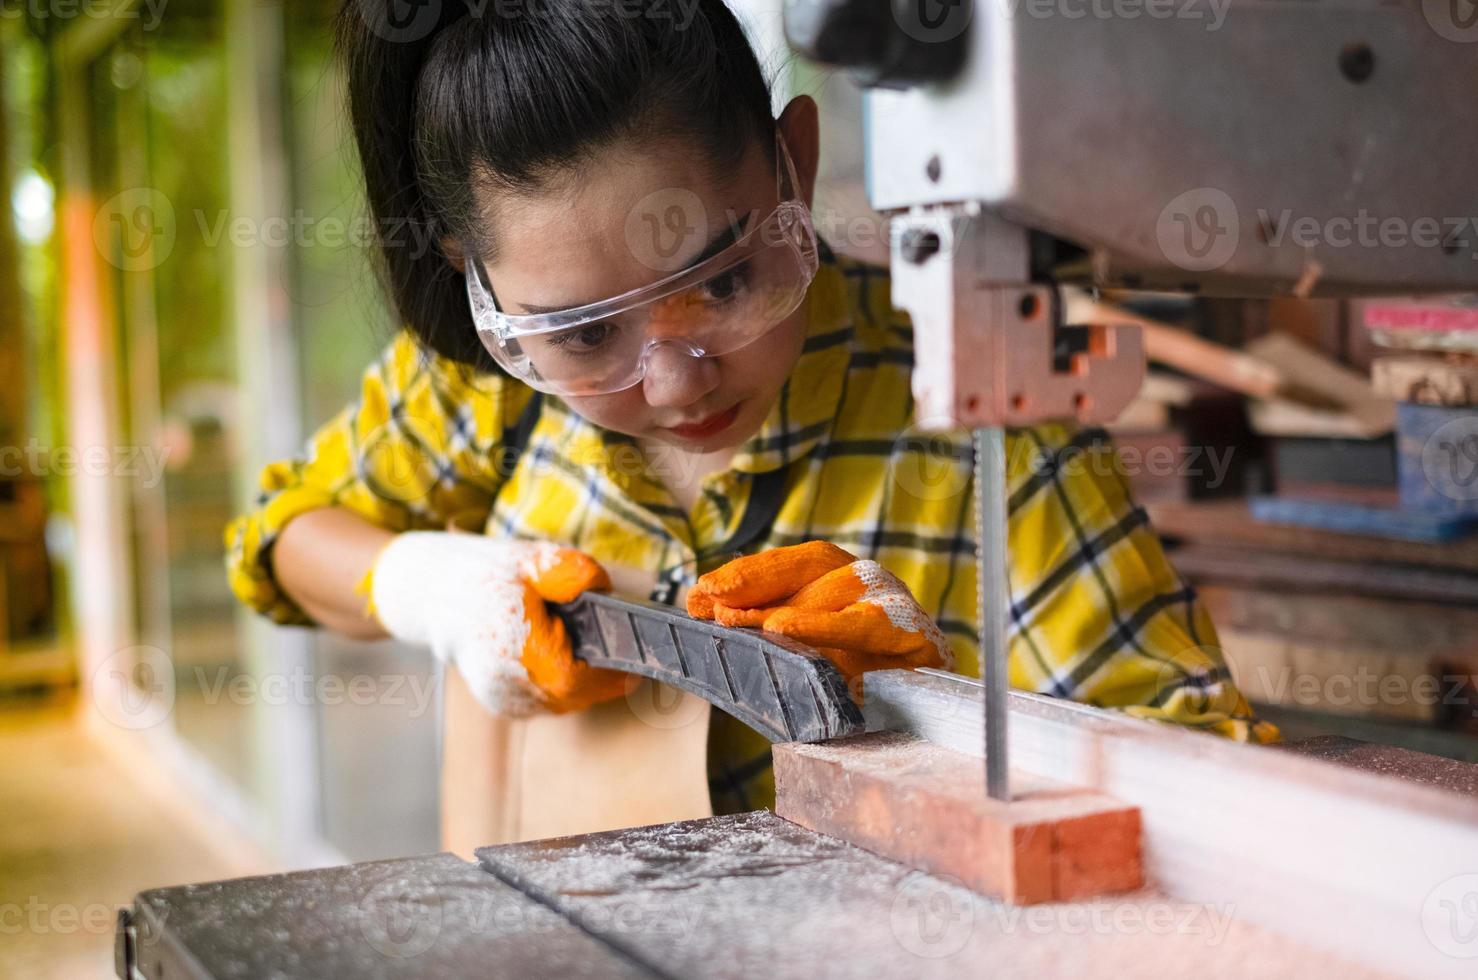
(629, 358)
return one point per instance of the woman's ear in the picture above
(453, 252)
(800, 125)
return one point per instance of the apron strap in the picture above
(766, 494)
(516, 439)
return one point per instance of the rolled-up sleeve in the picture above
(418, 449)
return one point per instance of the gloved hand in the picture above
(479, 603)
(856, 613)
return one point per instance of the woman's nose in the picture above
(676, 378)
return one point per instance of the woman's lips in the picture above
(703, 428)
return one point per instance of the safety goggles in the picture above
(715, 307)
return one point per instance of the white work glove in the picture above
(478, 603)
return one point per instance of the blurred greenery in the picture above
(341, 315)
(184, 85)
(29, 136)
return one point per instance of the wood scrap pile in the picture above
(1343, 585)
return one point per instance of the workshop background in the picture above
(185, 292)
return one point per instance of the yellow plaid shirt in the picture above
(1098, 614)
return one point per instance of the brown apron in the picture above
(629, 762)
(638, 760)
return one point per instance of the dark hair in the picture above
(511, 93)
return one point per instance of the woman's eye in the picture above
(584, 340)
(726, 285)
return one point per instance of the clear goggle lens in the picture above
(714, 308)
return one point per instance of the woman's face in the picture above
(640, 212)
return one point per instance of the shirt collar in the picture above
(804, 411)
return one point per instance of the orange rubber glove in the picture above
(855, 612)
(478, 602)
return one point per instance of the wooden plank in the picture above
(1421, 630)
(1183, 350)
(1430, 380)
(1203, 564)
(1418, 767)
(1229, 523)
(1344, 859)
(1334, 678)
(1297, 724)
(924, 805)
(1310, 371)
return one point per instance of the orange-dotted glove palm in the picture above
(479, 603)
(855, 612)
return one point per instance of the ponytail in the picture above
(382, 53)
(446, 95)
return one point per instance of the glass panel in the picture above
(387, 735)
(157, 103)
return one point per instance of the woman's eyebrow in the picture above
(726, 236)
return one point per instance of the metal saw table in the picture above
(1261, 860)
(725, 897)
